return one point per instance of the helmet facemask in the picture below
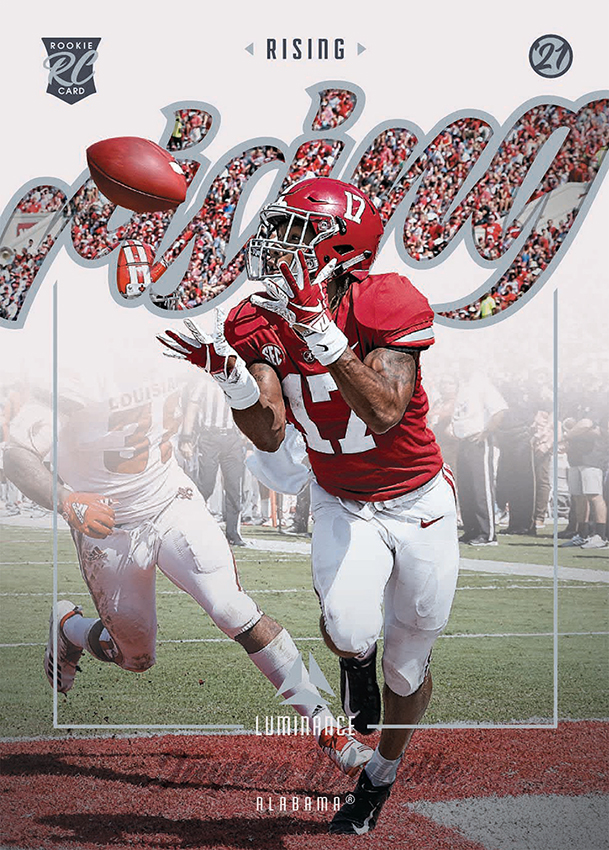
(284, 231)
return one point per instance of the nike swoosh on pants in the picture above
(425, 524)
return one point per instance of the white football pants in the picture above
(402, 553)
(188, 546)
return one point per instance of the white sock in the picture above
(382, 771)
(275, 661)
(77, 628)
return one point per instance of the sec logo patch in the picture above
(272, 354)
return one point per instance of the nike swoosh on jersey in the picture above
(425, 524)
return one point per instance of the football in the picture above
(136, 174)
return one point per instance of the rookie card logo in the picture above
(70, 64)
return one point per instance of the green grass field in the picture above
(494, 665)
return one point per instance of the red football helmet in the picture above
(325, 219)
(133, 269)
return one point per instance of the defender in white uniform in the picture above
(130, 509)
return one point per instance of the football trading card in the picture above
(304, 464)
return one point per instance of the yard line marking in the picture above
(462, 635)
(282, 590)
(526, 635)
(78, 593)
(488, 568)
(26, 540)
(502, 567)
(442, 637)
(528, 587)
(36, 563)
(310, 590)
(159, 592)
(472, 564)
(72, 593)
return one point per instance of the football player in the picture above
(132, 509)
(335, 351)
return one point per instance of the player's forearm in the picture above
(262, 424)
(378, 390)
(31, 476)
(264, 421)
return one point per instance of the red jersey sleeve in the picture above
(248, 332)
(392, 313)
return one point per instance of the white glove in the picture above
(303, 304)
(213, 354)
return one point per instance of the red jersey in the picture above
(348, 460)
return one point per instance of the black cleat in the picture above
(362, 806)
(359, 692)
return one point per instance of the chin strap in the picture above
(342, 268)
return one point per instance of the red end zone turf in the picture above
(201, 792)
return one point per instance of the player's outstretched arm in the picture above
(27, 472)
(89, 513)
(264, 422)
(378, 389)
(253, 393)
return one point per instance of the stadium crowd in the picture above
(380, 167)
(313, 159)
(578, 160)
(443, 168)
(42, 199)
(445, 165)
(335, 106)
(190, 127)
(90, 211)
(210, 230)
(206, 275)
(17, 275)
